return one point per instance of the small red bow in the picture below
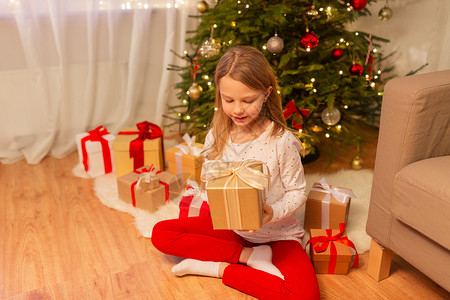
(297, 121)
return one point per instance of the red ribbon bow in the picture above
(145, 170)
(291, 109)
(146, 130)
(330, 240)
(96, 135)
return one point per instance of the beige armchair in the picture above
(409, 212)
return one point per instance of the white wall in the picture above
(419, 33)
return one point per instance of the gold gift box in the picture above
(321, 260)
(191, 164)
(239, 206)
(153, 153)
(338, 212)
(152, 199)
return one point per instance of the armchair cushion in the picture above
(421, 198)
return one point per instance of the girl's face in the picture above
(241, 103)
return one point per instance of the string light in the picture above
(184, 101)
(216, 108)
(209, 83)
(341, 72)
(357, 33)
(345, 106)
(327, 135)
(188, 117)
(313, 79)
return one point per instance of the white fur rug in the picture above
(360, 181)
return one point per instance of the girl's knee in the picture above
(158, 237)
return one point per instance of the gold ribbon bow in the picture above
(148, 179)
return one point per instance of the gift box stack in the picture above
(136, 155)
(326, 215)
(185, 159)
(148, 188)
(235, 192)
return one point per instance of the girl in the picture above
(269, 263)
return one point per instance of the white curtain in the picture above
(69, 66)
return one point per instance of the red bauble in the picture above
(309, 40)
(358, 4)
(337, 53)
(356, 69)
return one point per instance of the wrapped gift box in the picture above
(336, 257)
(185, 161)
(327, 206)
(138, 146)
(95, 151)
(193, 203)
(129, 191)
(235, 193)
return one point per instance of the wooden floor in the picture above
(59, 242)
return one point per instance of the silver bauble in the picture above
(331, 116)
(275, 44)
(385, 14)
(209, 48)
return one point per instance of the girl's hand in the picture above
(268, 210)
(268, 215)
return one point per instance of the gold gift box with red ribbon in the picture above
(235, 192)
(327, 206)
(185, 159)
(137, 146)
(330, 251)
(130, 191)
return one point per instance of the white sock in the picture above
(261, 259)
(196, 267)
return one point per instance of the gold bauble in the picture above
(306, 149)
(357, 163)
(202, 6)
(385, 14)
(195, 91)
(312, 12)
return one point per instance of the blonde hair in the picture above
(249, 66)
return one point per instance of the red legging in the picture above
(195, 238)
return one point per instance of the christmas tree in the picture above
(328, 77)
